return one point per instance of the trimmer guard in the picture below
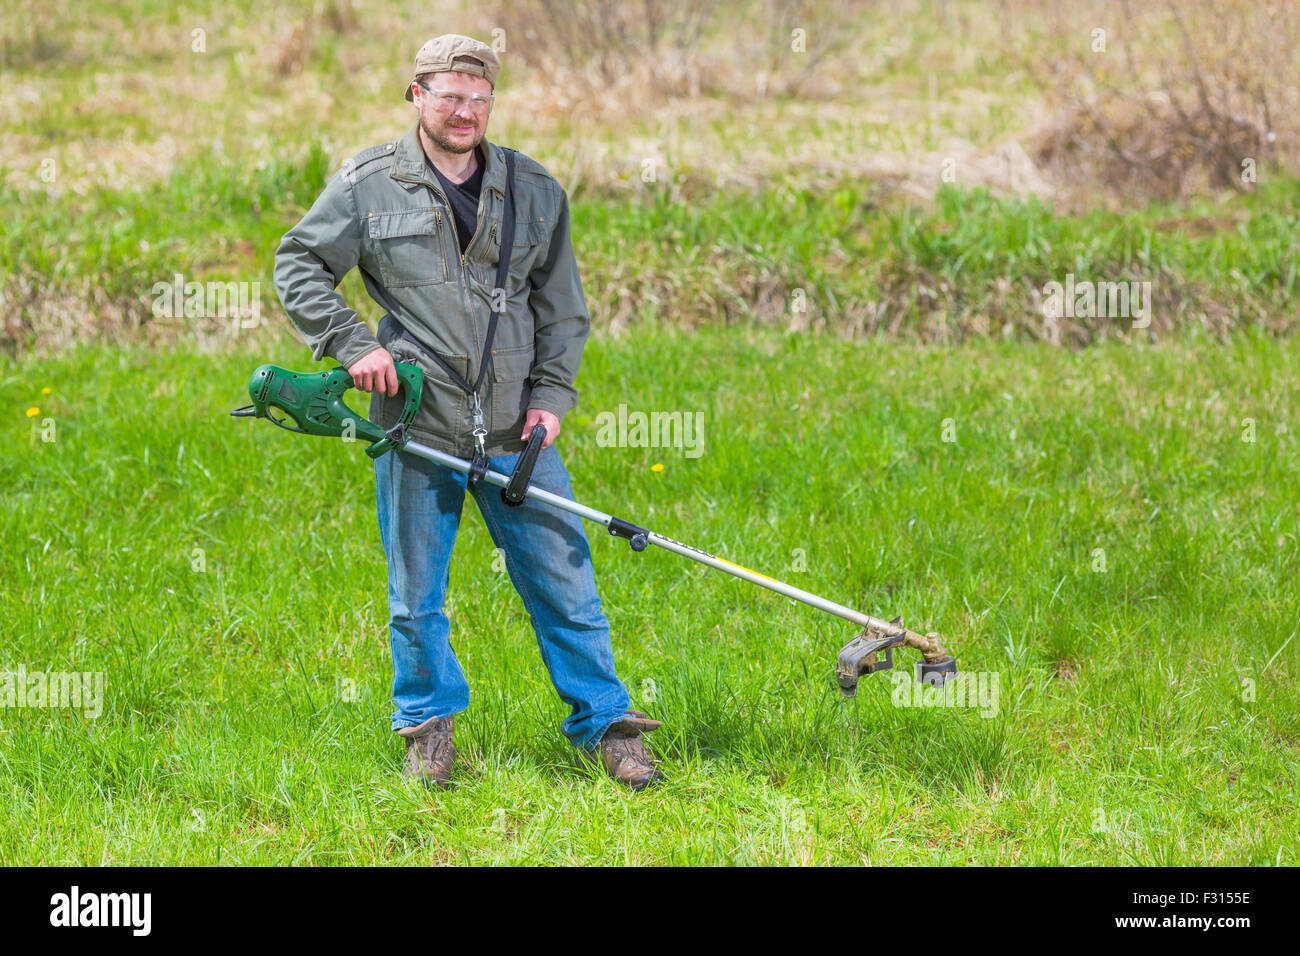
(858, 656)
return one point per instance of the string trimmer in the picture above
(314, 401)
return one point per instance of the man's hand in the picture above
(538, 416)
(375, 372)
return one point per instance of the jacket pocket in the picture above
(443, 410)
(408, 247)
(529, 239)
(510, 393)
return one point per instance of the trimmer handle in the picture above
(410, 378)
(514, 493)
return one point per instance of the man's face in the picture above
(455, 130)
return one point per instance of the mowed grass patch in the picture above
(1109, 533)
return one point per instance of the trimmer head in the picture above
(861, 656)
(937, 672)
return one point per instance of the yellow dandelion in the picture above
(33, 412)
(656, 467)
(45, 390)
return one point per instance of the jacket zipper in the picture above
(469, 311)
(444, 258)
(464, 288)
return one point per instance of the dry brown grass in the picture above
(717, 94)
(714, 93)
(1185, 98)
(628, 55)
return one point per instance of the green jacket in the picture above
(385, 213)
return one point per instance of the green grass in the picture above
(971, 265)
(1147, 715)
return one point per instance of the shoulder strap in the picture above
(503, 263)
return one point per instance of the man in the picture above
(423, 219)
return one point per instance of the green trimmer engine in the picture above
(314, 401)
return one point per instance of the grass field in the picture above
(1100, 520)
(1112, 534)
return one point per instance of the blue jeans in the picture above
(549, 561)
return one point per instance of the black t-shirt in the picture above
(463, 198)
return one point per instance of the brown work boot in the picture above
(429, 750)
(623, 752)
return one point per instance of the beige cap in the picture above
(443, 55)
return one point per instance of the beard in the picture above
(438, 136)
